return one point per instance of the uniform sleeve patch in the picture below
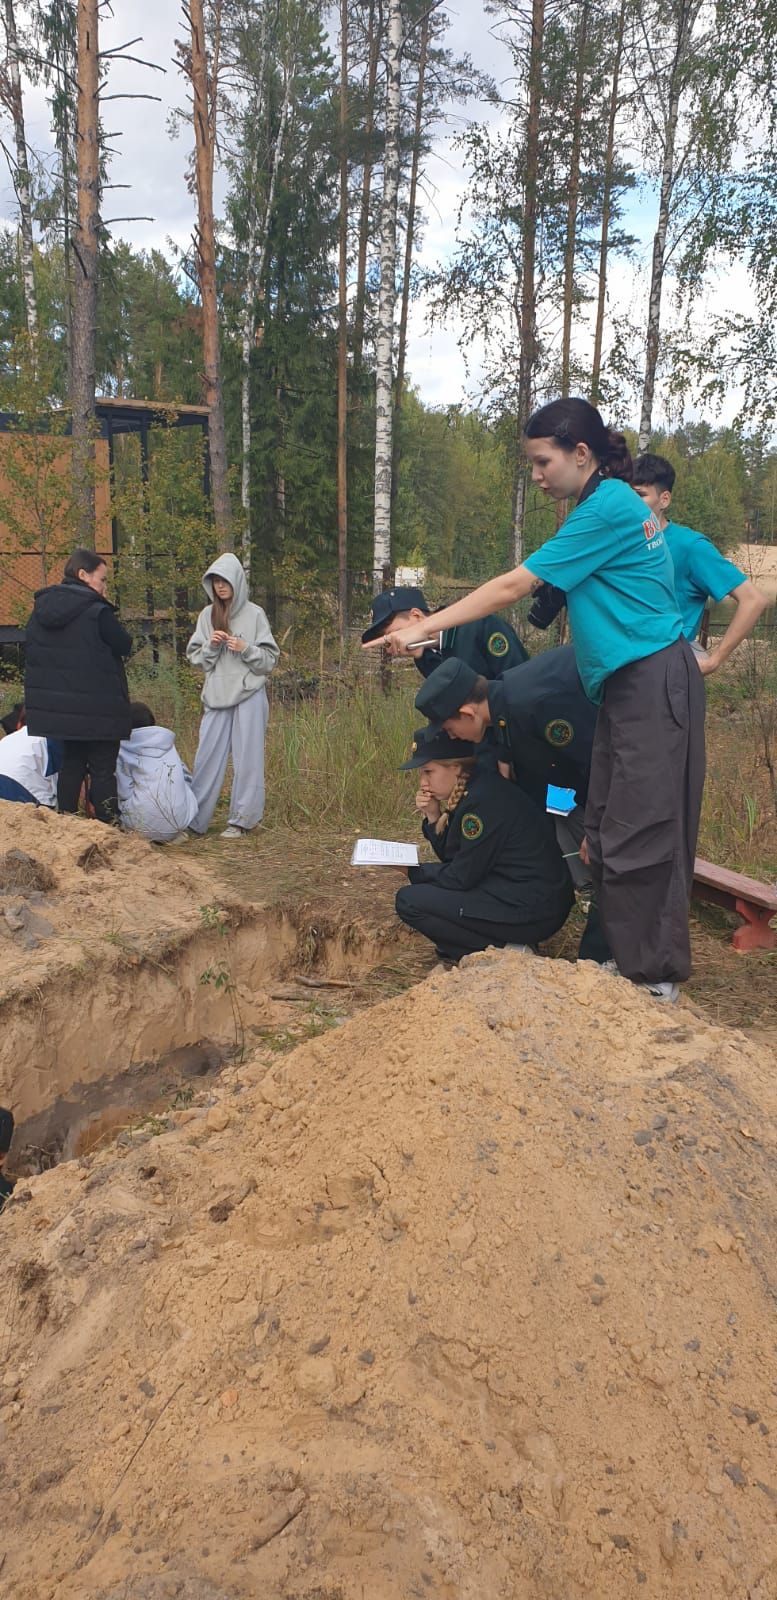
(471, 826)
(559, 732)
(497, 644)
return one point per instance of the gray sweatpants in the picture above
(642, 816)
(240, 730)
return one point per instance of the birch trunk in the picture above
(686, 18)
(85, 249)
(342, 341)
(258, 241)
(204, 81)
(409, 242)
(528, 303)
(572, 202)
(596, 370)
(21, 175)
(384, 342)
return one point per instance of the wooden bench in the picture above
(756, 902)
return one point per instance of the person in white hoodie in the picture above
(28, 765)
(156, 798)
(233, 644)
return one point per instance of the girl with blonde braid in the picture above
(500, 878)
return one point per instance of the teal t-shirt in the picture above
(612, 559)
(699, 571)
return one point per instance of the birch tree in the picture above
(11, 96)
(384, 343)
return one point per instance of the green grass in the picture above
(333, 754)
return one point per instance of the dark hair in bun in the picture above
(575, 421)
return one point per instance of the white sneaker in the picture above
(182, 838)
(233, 832)
(669, 992)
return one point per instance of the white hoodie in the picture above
(155, 795)
(230, 678)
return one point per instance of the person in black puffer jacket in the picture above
(75, 686)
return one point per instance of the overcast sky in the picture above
(153, 165)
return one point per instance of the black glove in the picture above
(548, 601)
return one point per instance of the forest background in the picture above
(612, 234)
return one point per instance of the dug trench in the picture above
(112, 1016)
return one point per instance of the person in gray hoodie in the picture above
(234, 646)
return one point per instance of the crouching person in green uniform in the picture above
(500, 879)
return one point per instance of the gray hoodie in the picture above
(230, 678)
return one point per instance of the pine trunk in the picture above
(85, 249)
(21, 176)
(204, 91)
(573, 194)
(342, 341)
(373, 50)
(246, 343)
(384, 413)
(409, 242)
(528, 304)
(609, 159)
(686, 19)
(258, 242)
(657, 275)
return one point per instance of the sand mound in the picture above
(470, 1298)
(67, 886)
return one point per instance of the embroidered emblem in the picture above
(497, 645)
(559, 732)
(413, 748)
(471, 826)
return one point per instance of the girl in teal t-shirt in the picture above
(647, 766)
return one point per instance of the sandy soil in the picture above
(70, 889)
(471, 1297)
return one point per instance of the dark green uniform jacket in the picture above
(490, 647)
(543, 722)
(500, 852)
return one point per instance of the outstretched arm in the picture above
(749, 604)
(495, 595)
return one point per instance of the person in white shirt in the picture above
(156, 799)
(28, 765)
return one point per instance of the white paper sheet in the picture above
(383, 853)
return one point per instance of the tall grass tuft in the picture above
(332, 759)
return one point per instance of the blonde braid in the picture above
(454, 798)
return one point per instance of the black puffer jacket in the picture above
(75, 686)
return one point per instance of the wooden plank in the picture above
(734, 884)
